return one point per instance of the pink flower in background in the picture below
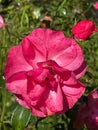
(88, 114)
(83, 29)
(96, 5)
(2, 23)
(43, 72)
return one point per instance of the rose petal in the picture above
(15, 62)
(73, 93)
(39, 112)
(78, 65)
(48, 41)
(32, 53)
(54, 100)
(16, 83)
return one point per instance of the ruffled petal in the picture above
(73, 93)
(79, 72)
(54, 101)
(78, 64)
(17, 83)
(15, 62)
(39, 111)
(32, 52)
(34, 90)
(50, 102)
(47, 41)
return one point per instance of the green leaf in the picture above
(20, 118)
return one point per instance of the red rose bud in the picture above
(84, 29)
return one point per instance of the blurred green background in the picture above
(21, 18)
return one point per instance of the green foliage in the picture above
(20, 118)
(90, 48)
(21, 18)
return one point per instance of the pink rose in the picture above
(42, 72)
(88, 114)
(2, 23)
(96, 5)
(83, 29)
